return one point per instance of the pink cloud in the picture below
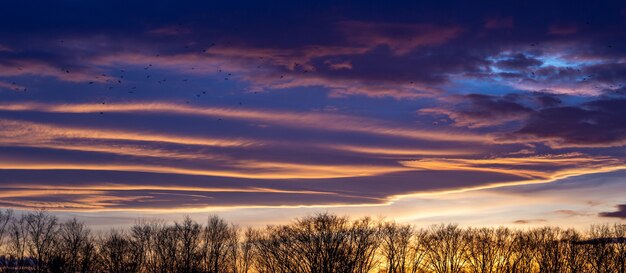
(338, 65)
(499, 22)
(38, 68)
(562, 29)
(5, 48)
(401, 38)
(261, 67)
(11, 86)
(170, 31)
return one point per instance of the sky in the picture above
(482, 113)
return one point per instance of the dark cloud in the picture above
(518, 62)
(610, 73)
(383, 50)
(547, 100)
(484, 106)
(529, 221)
(599, 122)
(544, 116)
(478, 110)
(619, 213)
(563, 29)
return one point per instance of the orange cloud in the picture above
(39, 68)
(321, 121)
(533, 167)
(403, 152)
(18, 132)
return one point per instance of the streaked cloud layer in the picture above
(249, 106)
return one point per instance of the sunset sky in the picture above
(472, 112)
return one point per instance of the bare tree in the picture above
(244, 252)
(272, 251)
(216, 246)
(41, 229)
(169, 249)
(144, 236)
(447, 249)
(323, 243)
(5, 218)
(189, 236)
(549, 249)
(396, 247)
(118, 254)
(619, 238)
(74, 250)
(18, 242)
(523, 256)
(599, 250)
(364, 242)
(419, 248)
(489, 250)
(573, 253)
(320, 244)
(166, 250)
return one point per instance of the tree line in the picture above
(322, 243)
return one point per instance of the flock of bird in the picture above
(120, 80)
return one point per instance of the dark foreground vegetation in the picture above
(38, 242)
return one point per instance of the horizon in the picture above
(481, 114)
(324, 243)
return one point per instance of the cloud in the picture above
(5, 48)
(529, 221)
(595, 123)
(74, 165)
(619, 213)
(375, 59)
(547, 100)
(238, 122)
(338, 65)
(499, 22)
(17, 132)
(351, 66)
(541, 117)
(399, 152)
(477, 110)
(563, 29)
(543, 167)
(18, 68)
(569, 212)
(401, 38)
(66, 189)
(12, 86)
(153, 152)
(319, 121)
(340, 69)
(518, 62)
(170, 31)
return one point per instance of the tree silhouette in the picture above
(322, 243)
